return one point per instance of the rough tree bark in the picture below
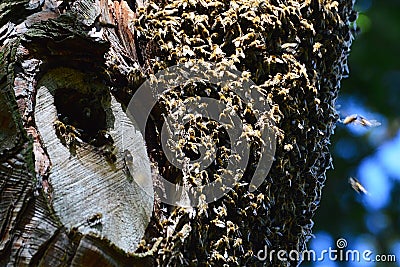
(67, 72)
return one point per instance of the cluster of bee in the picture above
(68, 135)
(357, 186)
(72, 138)
(293, 51)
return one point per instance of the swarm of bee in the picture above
(296, 52)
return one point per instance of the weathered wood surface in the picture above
(61, 206)
(295, 51)
(86, 185)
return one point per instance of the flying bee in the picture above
(357, 186)
(350, 119)
(368, 123)
(360, 120)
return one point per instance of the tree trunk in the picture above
(70, 156)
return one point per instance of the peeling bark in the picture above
(86, 186)
(61, 206)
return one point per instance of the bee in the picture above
(105, 143)
(220, 243)
(231, 227)
(218, 257)
(169, 12)
(222, 212)
(102, 138)
(186, 50)
(216, 52)
(200, 28)
(316, 47)
(350, 119)
(288, 147)
(217, 178)
(191, 134)
(202, 206)
(215, 4)
(59, 127)
(289, 45)
(217, 22)
(197, 41)
(357, 186)
(201, 50)
(237, 243)
(260, 197)
(72, 129)
(360, 120)
(128, 163)
(68, 135)
(95, 219)
(110, 156)
(368, 123)
(109, 152)
(263, 7)
(353, 16)
(218, 223)
(333, 5)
